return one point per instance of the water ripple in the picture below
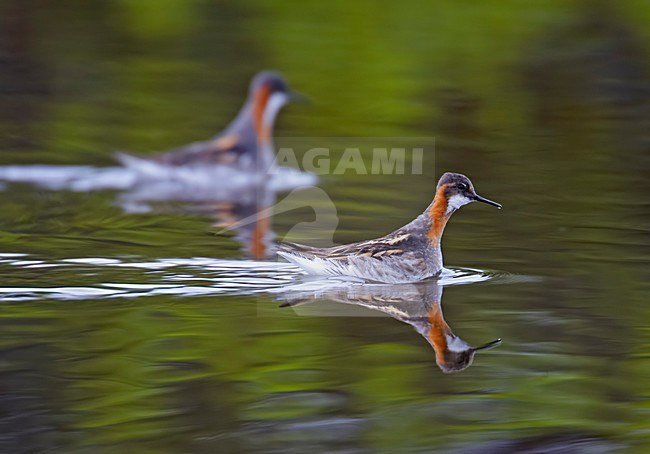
(187, 277)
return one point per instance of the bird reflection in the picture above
(419, 305)
(251, 223)
(241, 204)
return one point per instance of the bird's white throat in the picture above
(273, 106)
(456, 201)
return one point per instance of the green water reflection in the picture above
(545, 105)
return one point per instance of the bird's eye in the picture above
(462, 186)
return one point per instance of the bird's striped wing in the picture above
(221, 150)
(393, 245)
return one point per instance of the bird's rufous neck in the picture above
(439, 215)
(438, 333)
(260, 101)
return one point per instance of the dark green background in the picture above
(544, 104)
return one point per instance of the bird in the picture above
(409, 254)
(246, 143)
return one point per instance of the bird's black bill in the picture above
(488, 346)
(478, 198)
(297, 97)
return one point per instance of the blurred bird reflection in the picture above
(418, 304)
(210, 191)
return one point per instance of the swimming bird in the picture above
(247, 143)
(409, 254)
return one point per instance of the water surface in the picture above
(136, 323)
